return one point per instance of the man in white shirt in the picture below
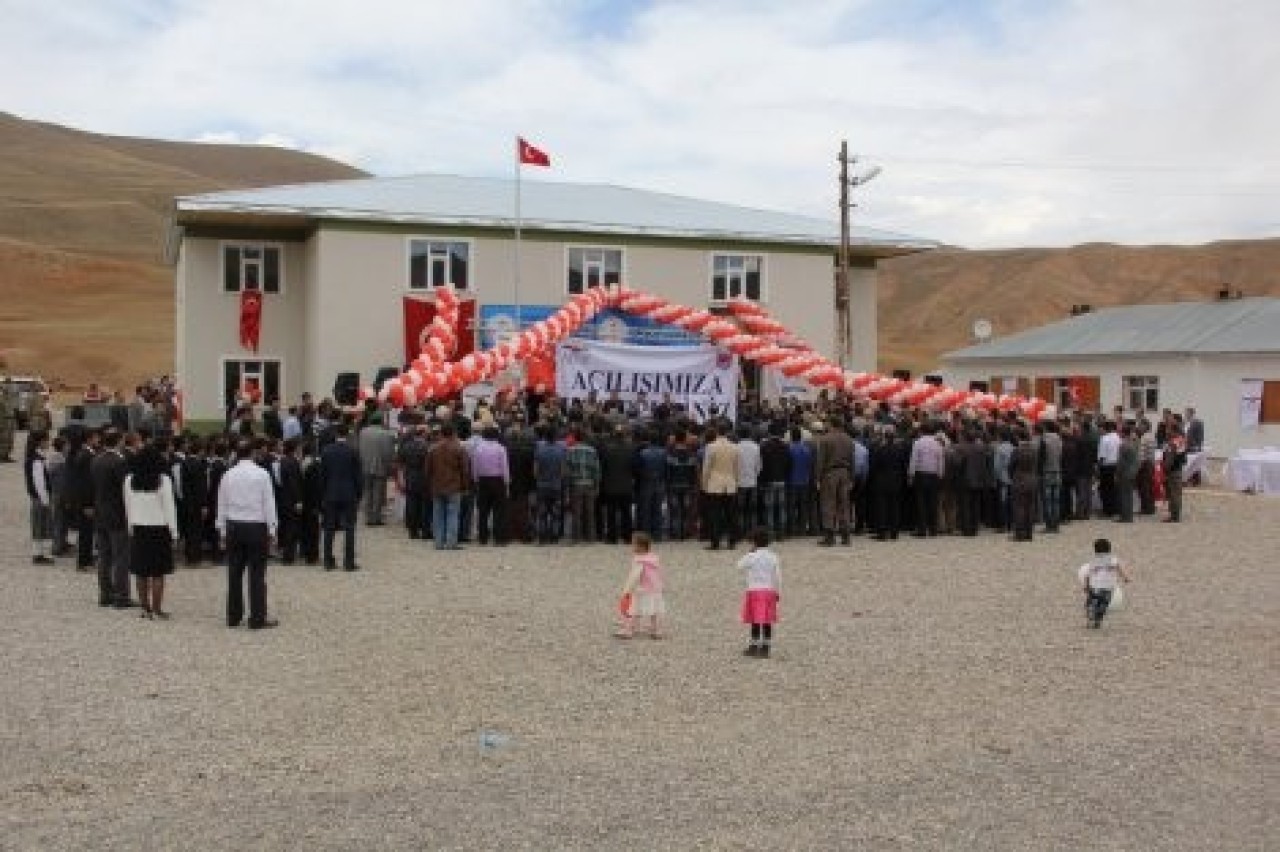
(1108, 456)
(247, 524)
(749, 464)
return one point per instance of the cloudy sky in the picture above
(996, 122)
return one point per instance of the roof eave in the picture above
(192, 210)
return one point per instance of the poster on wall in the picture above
(418, 314)
(1250, 404)
(775, 386)
(701, 378)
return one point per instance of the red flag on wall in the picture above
(529, 155)
(418, 314)
(250, 318)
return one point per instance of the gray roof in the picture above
(1183, 328)
(545, 205)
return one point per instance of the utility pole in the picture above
(844, 338)
(844, 335)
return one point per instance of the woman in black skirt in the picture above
(153, 527)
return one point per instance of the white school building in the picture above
(1220, 357)
(339, 263)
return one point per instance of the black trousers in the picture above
(290, 534)
(722, 517)
(1096, 604)
(84, 539)
(926, 488)
(340, 515)
(247, 546)
(1107, 489)
(491, 509)
(192, 522)
(970, 510)
(617, 517)
(415, 512)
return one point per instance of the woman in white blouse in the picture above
(153, 527)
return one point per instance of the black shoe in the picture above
(712, 547)
(104, 602)
(751, 651)
(917, 534)
(233, 624)
(827, 541)
(350, 567)
(844, 539)
(266, 625)
(763, 652)
(41, 560)
(330, 566)
(125, 604)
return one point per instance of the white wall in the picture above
(341, 308)
(209, 325)
(1210, 384)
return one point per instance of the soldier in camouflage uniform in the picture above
(39, 418)
(8, 421)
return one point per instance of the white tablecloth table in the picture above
(1255, 471)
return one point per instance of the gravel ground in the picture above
(924, 694)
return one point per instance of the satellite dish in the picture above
(982, 329)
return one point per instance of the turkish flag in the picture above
(250, 318)
(529, 155)
(418, 314)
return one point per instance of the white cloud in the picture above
(1003, 123)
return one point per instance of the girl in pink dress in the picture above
(644, 588)
(764, 585)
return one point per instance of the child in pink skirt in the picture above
(644, 585)
(764, 584)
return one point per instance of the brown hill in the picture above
(83, 291)
(85, 296)
(929, 302)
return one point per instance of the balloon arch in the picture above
(748, 331)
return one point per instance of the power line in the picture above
(1047, 166)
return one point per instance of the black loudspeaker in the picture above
(346, 388)
(382, 375)
(933, 379)
(979, 387)
(903, 375)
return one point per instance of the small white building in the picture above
(1221, 358)
(338, 263)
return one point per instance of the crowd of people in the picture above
(284, 482)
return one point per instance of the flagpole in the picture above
(519, 323)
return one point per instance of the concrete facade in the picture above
(340, 302)
(1210, 383)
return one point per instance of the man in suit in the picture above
(833, 464)
(1126, 474)
(194, 472)
(111, 526)
(1022, 496)
(341, 484)
(720, 484)
(377, 446)
(289, 507)
(971, 459)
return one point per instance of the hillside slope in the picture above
(928, 302)
(84, 295)
(83, 291)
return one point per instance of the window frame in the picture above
(1144, 384)
(263, 246)
(711, 277)
(226, 360)
(469, 242)
(569, 249)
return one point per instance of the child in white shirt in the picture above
(1098, 581)
(760, 602)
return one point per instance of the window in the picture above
(1270, 403)
(736, 276)
(592, 267)
(435, 263)
(258, 377)
(1142, 393)
(251, 266)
